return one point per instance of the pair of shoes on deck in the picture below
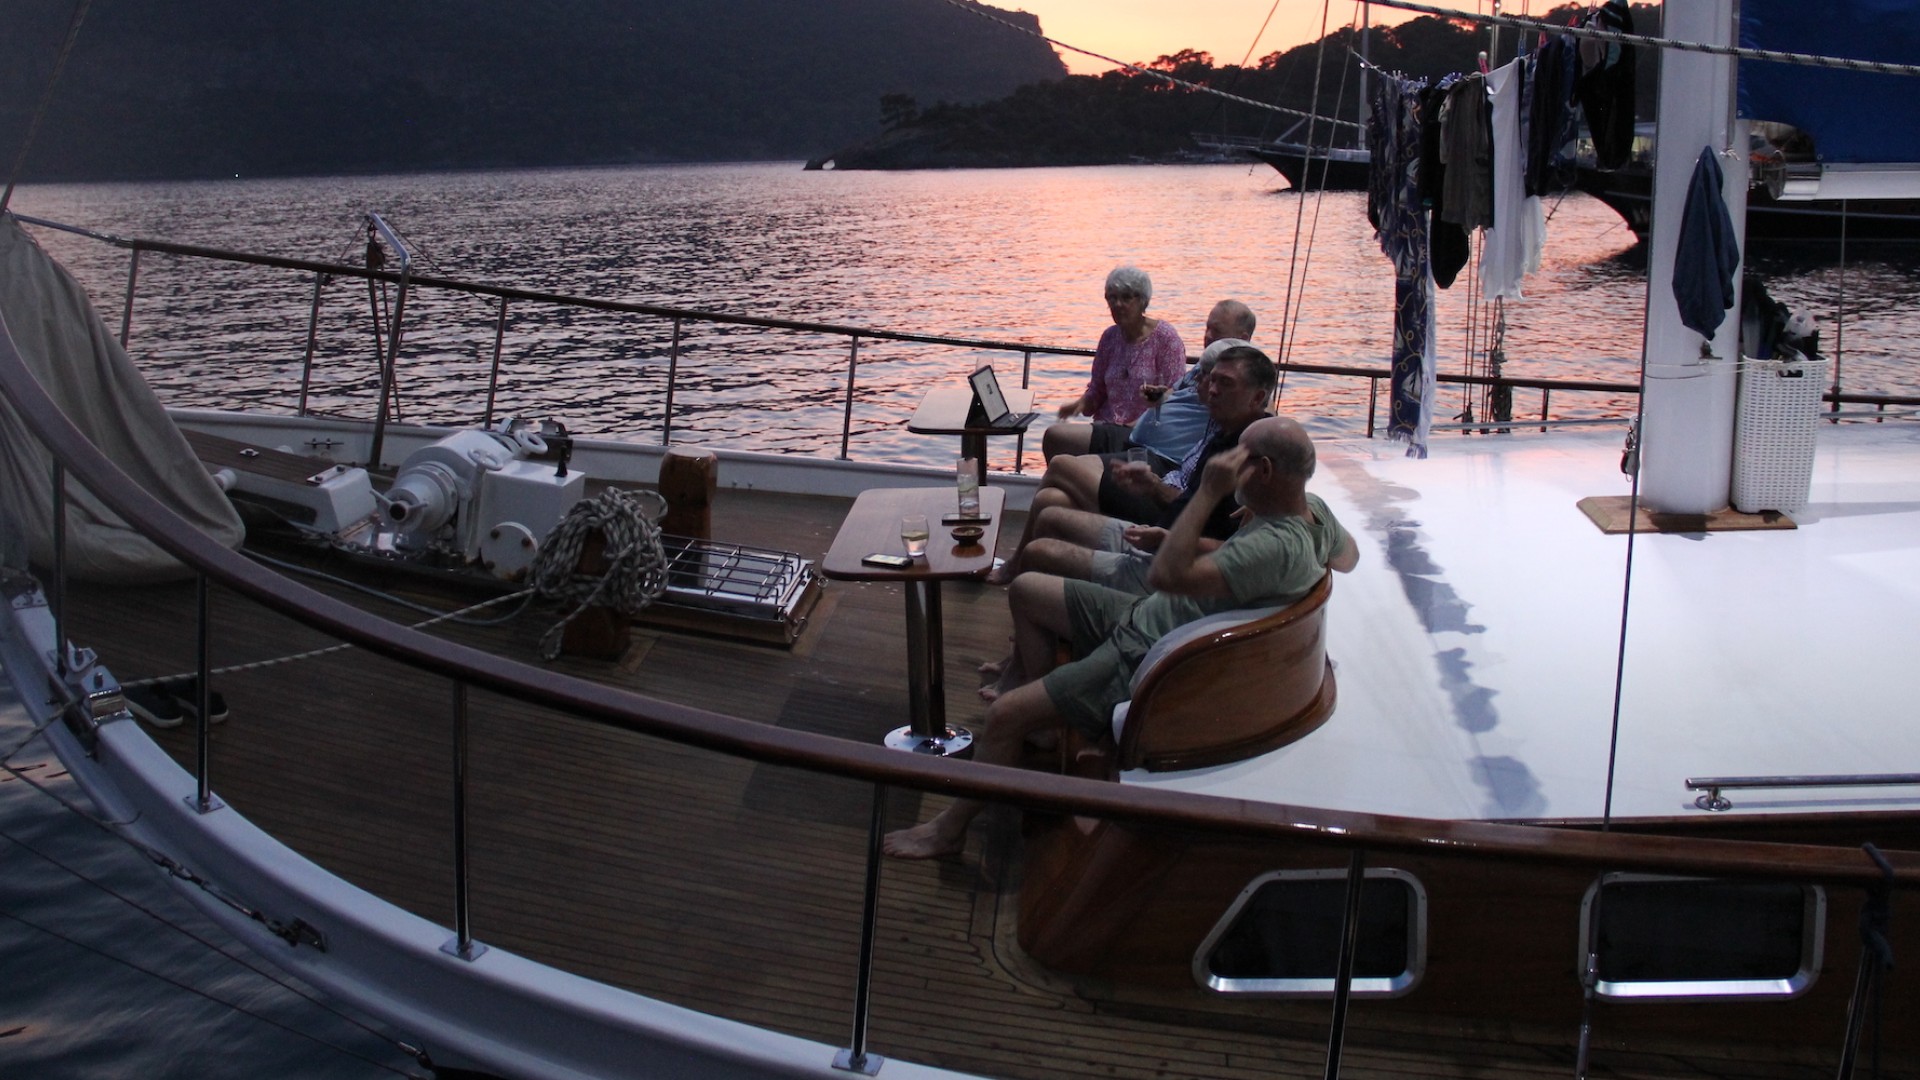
(167, 704)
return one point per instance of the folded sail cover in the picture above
(70, 351)
(1854, 117)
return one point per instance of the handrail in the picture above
(1714, 784)
(707, 730)
(504, 293)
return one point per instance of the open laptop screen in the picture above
(986, 390)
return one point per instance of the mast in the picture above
(1686, 441)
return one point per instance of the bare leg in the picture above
(1065, 438)
(1043, 499)
(1079, 477)
(1038, 603)
(1010, 720)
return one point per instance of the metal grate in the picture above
(757, 583)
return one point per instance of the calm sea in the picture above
(1013, 255)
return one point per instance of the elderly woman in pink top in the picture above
(1137, 358)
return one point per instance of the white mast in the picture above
(1686, 442)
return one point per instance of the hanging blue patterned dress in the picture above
(1400, 220)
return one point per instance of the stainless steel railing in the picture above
(1713, 785)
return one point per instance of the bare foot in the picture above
(1010, 676)
(924, 841)
(992, 668)
(990, 692)
(1002, 574)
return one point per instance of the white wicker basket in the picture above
(1773, 434)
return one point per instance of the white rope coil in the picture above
(636, 573)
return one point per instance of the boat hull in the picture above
(1126, 910)
(1629, 193)
(1345, 170)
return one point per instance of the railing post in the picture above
(60, 567)
(673, 379)
(1373, 403)
(387, 370)
(126, 312)
(1546, 402)
(462, 945)
(313, 333)
(1343, 976)
(1020, 440)
(493, 377)
(203, 801)
(846, 420)
(855, 1058)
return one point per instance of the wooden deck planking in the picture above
(718, 884)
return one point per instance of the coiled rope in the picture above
(636, 573)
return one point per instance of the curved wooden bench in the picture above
(1229, 687)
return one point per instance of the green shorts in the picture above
(1085, 691)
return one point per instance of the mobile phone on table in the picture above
(891, 562)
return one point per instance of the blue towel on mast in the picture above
(1708, 255)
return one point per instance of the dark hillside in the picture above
(198, 88)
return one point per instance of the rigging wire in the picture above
(46, 99)
(1291, 320)
(1306, 171)
(214, 947)
(1738, 52)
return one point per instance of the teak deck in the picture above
(722, 885)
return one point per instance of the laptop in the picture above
(989, 407)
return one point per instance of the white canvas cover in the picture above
(86, 372)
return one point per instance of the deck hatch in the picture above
(751, 582)
(1281, 936)
(1674, 938)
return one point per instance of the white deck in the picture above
(1476, 643)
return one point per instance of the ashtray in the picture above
(968, 534)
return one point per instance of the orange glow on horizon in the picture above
(1137, 31)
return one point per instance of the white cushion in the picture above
(1198, 628)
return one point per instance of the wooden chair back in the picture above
(1234, 693)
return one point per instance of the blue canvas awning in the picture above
(1853, 117)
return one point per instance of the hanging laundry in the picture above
(1708, 255)
(1605, 85)
(1550, 116)
(1399, 216)
(1448, 243)
(1519, 230)
(1466, 148)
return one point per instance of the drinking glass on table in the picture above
(913, 533)
(966, 472)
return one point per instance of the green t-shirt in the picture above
(1269, 562)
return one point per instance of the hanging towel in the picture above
(1708, 255)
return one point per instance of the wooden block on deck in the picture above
(1609, 512)
(689, 478)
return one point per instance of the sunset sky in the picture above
(1139, 30)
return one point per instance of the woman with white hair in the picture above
(1135, 353)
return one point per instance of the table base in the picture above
(948, 742)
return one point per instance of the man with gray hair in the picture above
(1077, 511)
(1287, 542)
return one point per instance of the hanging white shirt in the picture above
(1519, 231)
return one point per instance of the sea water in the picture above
(1016, 255)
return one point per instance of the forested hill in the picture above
(1121, 116)
(205, 88)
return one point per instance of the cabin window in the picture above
(1281, 936)
(1666, 938)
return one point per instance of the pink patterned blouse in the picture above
(1121, 369)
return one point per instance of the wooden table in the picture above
(873, 527)
(943, 411)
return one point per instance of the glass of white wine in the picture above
(913, 533)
